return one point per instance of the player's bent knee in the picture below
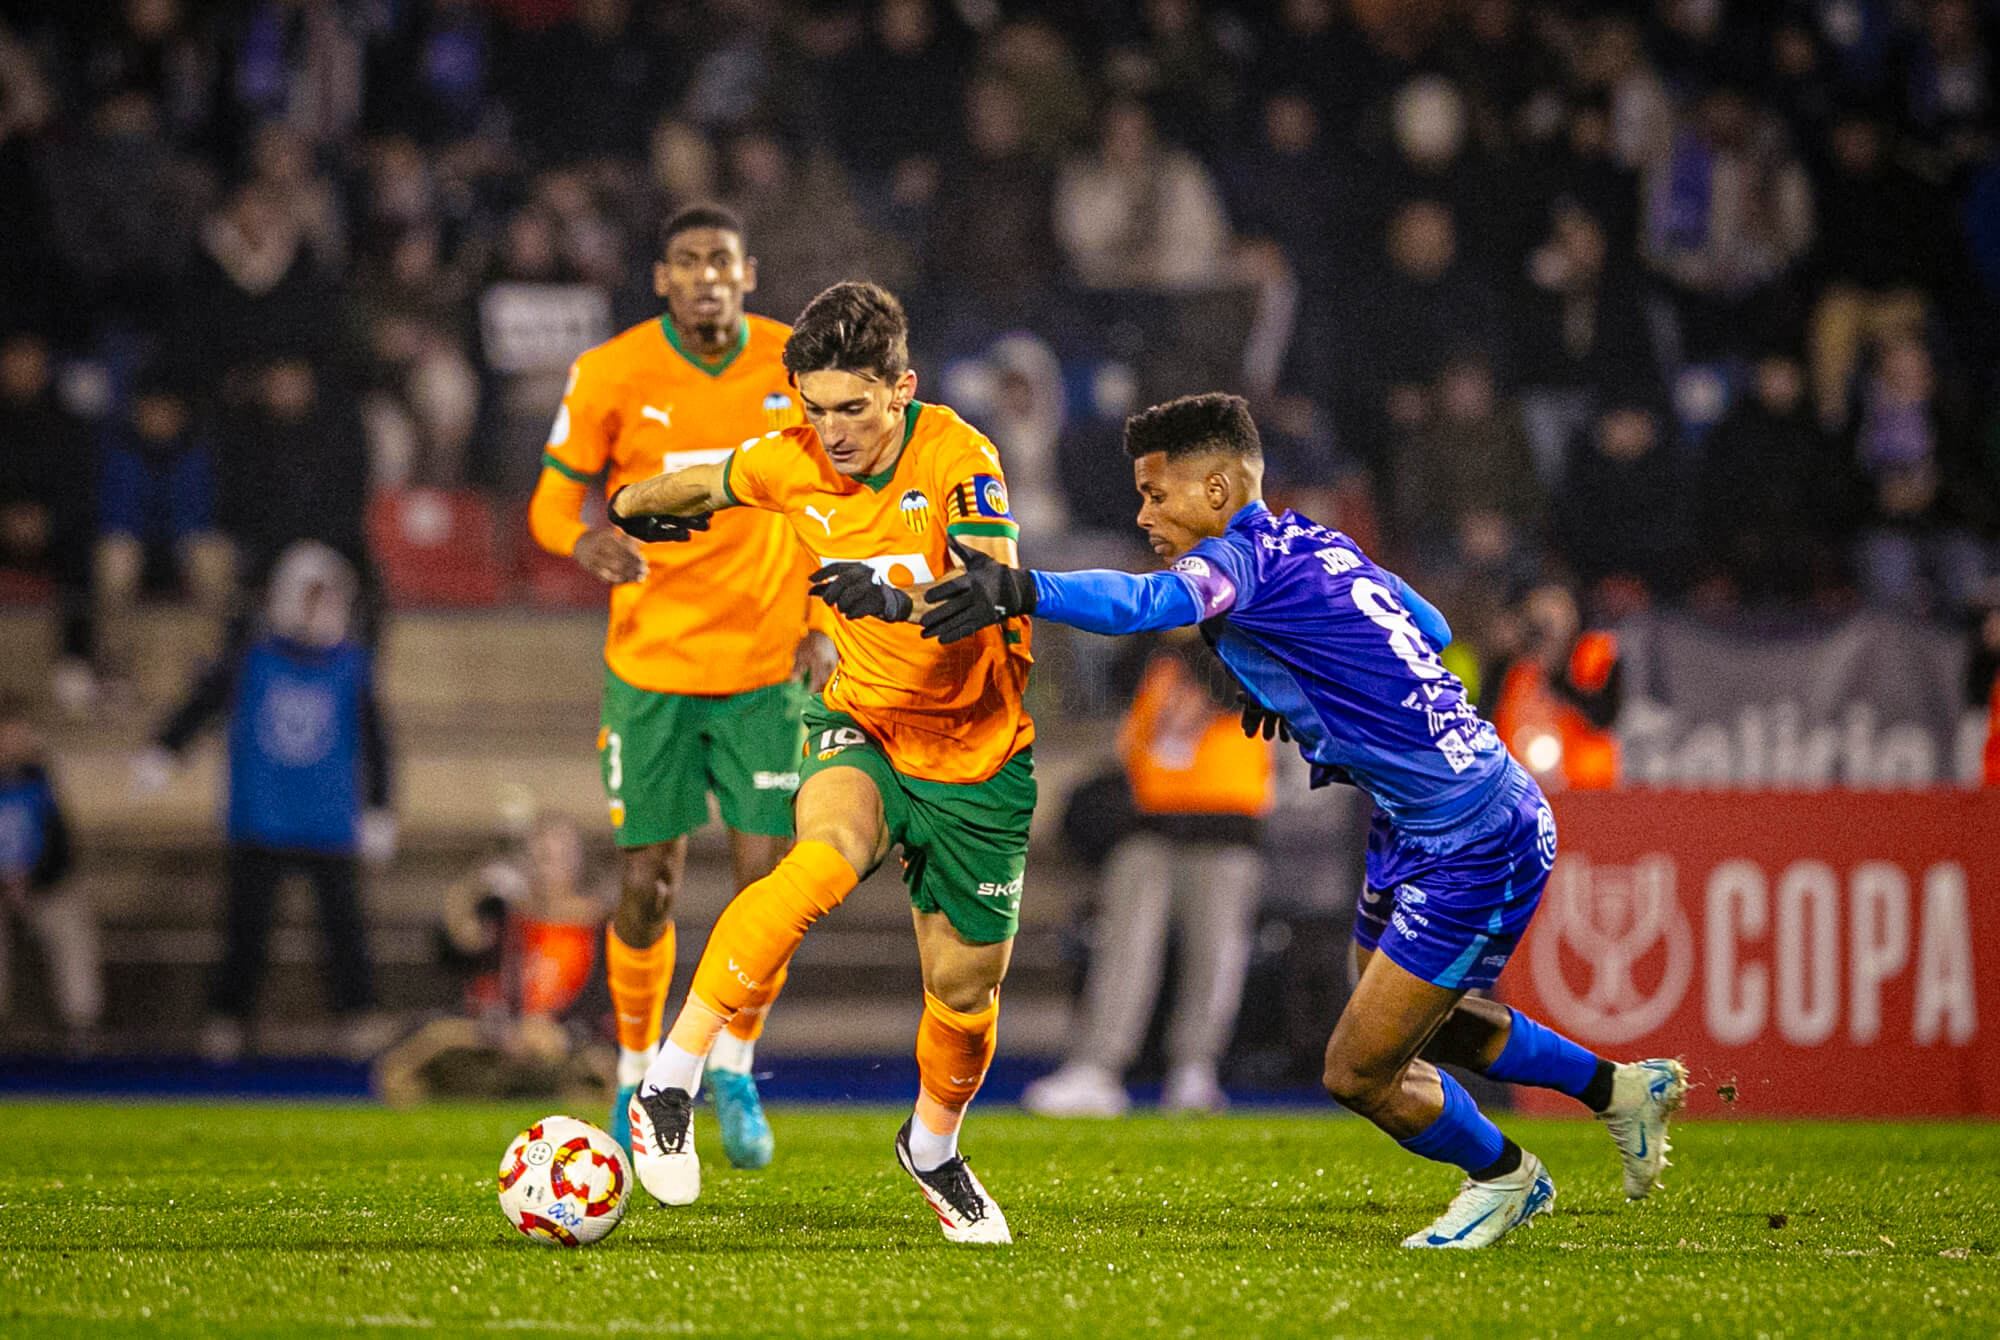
(1355, 1088)
(646, 887)
(966, 997)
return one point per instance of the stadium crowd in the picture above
(1680, 300)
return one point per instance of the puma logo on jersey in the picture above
(664, 417)
(826, 520)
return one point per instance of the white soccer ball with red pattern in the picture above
(563, 1182)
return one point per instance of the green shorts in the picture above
(965, 844)
(662, 753)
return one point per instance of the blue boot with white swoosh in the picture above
(1482, 1213)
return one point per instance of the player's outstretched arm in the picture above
(670, 506)
(1096, 600)
(855, 590)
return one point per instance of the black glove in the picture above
(1259, 719)
(852, 589)
(658, 527)
(986, 593)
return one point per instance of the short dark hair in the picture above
(704, 215)
(852, 327)
(1195, 425)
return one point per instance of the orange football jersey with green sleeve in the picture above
(722, 613)
(941, 713)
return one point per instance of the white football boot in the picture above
(1192, 1089)
(663, 1145)
(1482, 1213)
(963, 1208)
(1643, 1095)
(1077, 1090)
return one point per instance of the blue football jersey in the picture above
(1322, 636)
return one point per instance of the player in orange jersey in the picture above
(912, 742)
(708, 659)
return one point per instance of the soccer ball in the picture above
(563, 1182)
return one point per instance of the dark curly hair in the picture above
(705, 215)
(1195, 425)
(851, 327)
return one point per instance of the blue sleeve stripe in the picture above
(1102, 601)
(1430, 620)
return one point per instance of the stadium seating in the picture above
(436, 547)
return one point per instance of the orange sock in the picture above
(953, 1053)
(640, 979)
(744, 961)
(748, 1022)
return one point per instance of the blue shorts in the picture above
(155, 498)
(1450, 907)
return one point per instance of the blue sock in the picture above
(1544, 1058)
(1461, 1135)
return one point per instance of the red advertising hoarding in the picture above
(1808, 954)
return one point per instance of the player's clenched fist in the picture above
(986, 593)
(609, 555)
(656, 528)
(852, 589)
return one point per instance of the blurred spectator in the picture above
(1432, 157)
(1015, 392)
(423, 398)
(122, 205)
(1511, 79)
(300, 62)
(437, 74)
(890, 105)
(587, 87)
(1929, 502)
(255, 287)
(1411, 311)
(1618, 519)
(35, 892)
(1138, 214)
(1612, 62)
(1948, 77)
(1034, 58)
(1186, 63)
(1877, 257)
(810, 233)
(525, 930)
(1582, 325)
(993, 242)
(295, 467)
(1557, 692)
(1468, 499)
(156, 490)
(1729, 212)
(308, 790)
(534, 319)
(1760, 494)
(1199, 792)
(282, 162)
(46, 494)
(1313, 46)
(1286, 190)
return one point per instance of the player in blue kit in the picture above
(1343, 656)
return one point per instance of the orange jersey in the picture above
(722, 613)
(942, 713)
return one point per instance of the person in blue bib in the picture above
(1339, 654)
(36, 892)
(308, 787)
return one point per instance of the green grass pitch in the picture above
(272, 1220)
